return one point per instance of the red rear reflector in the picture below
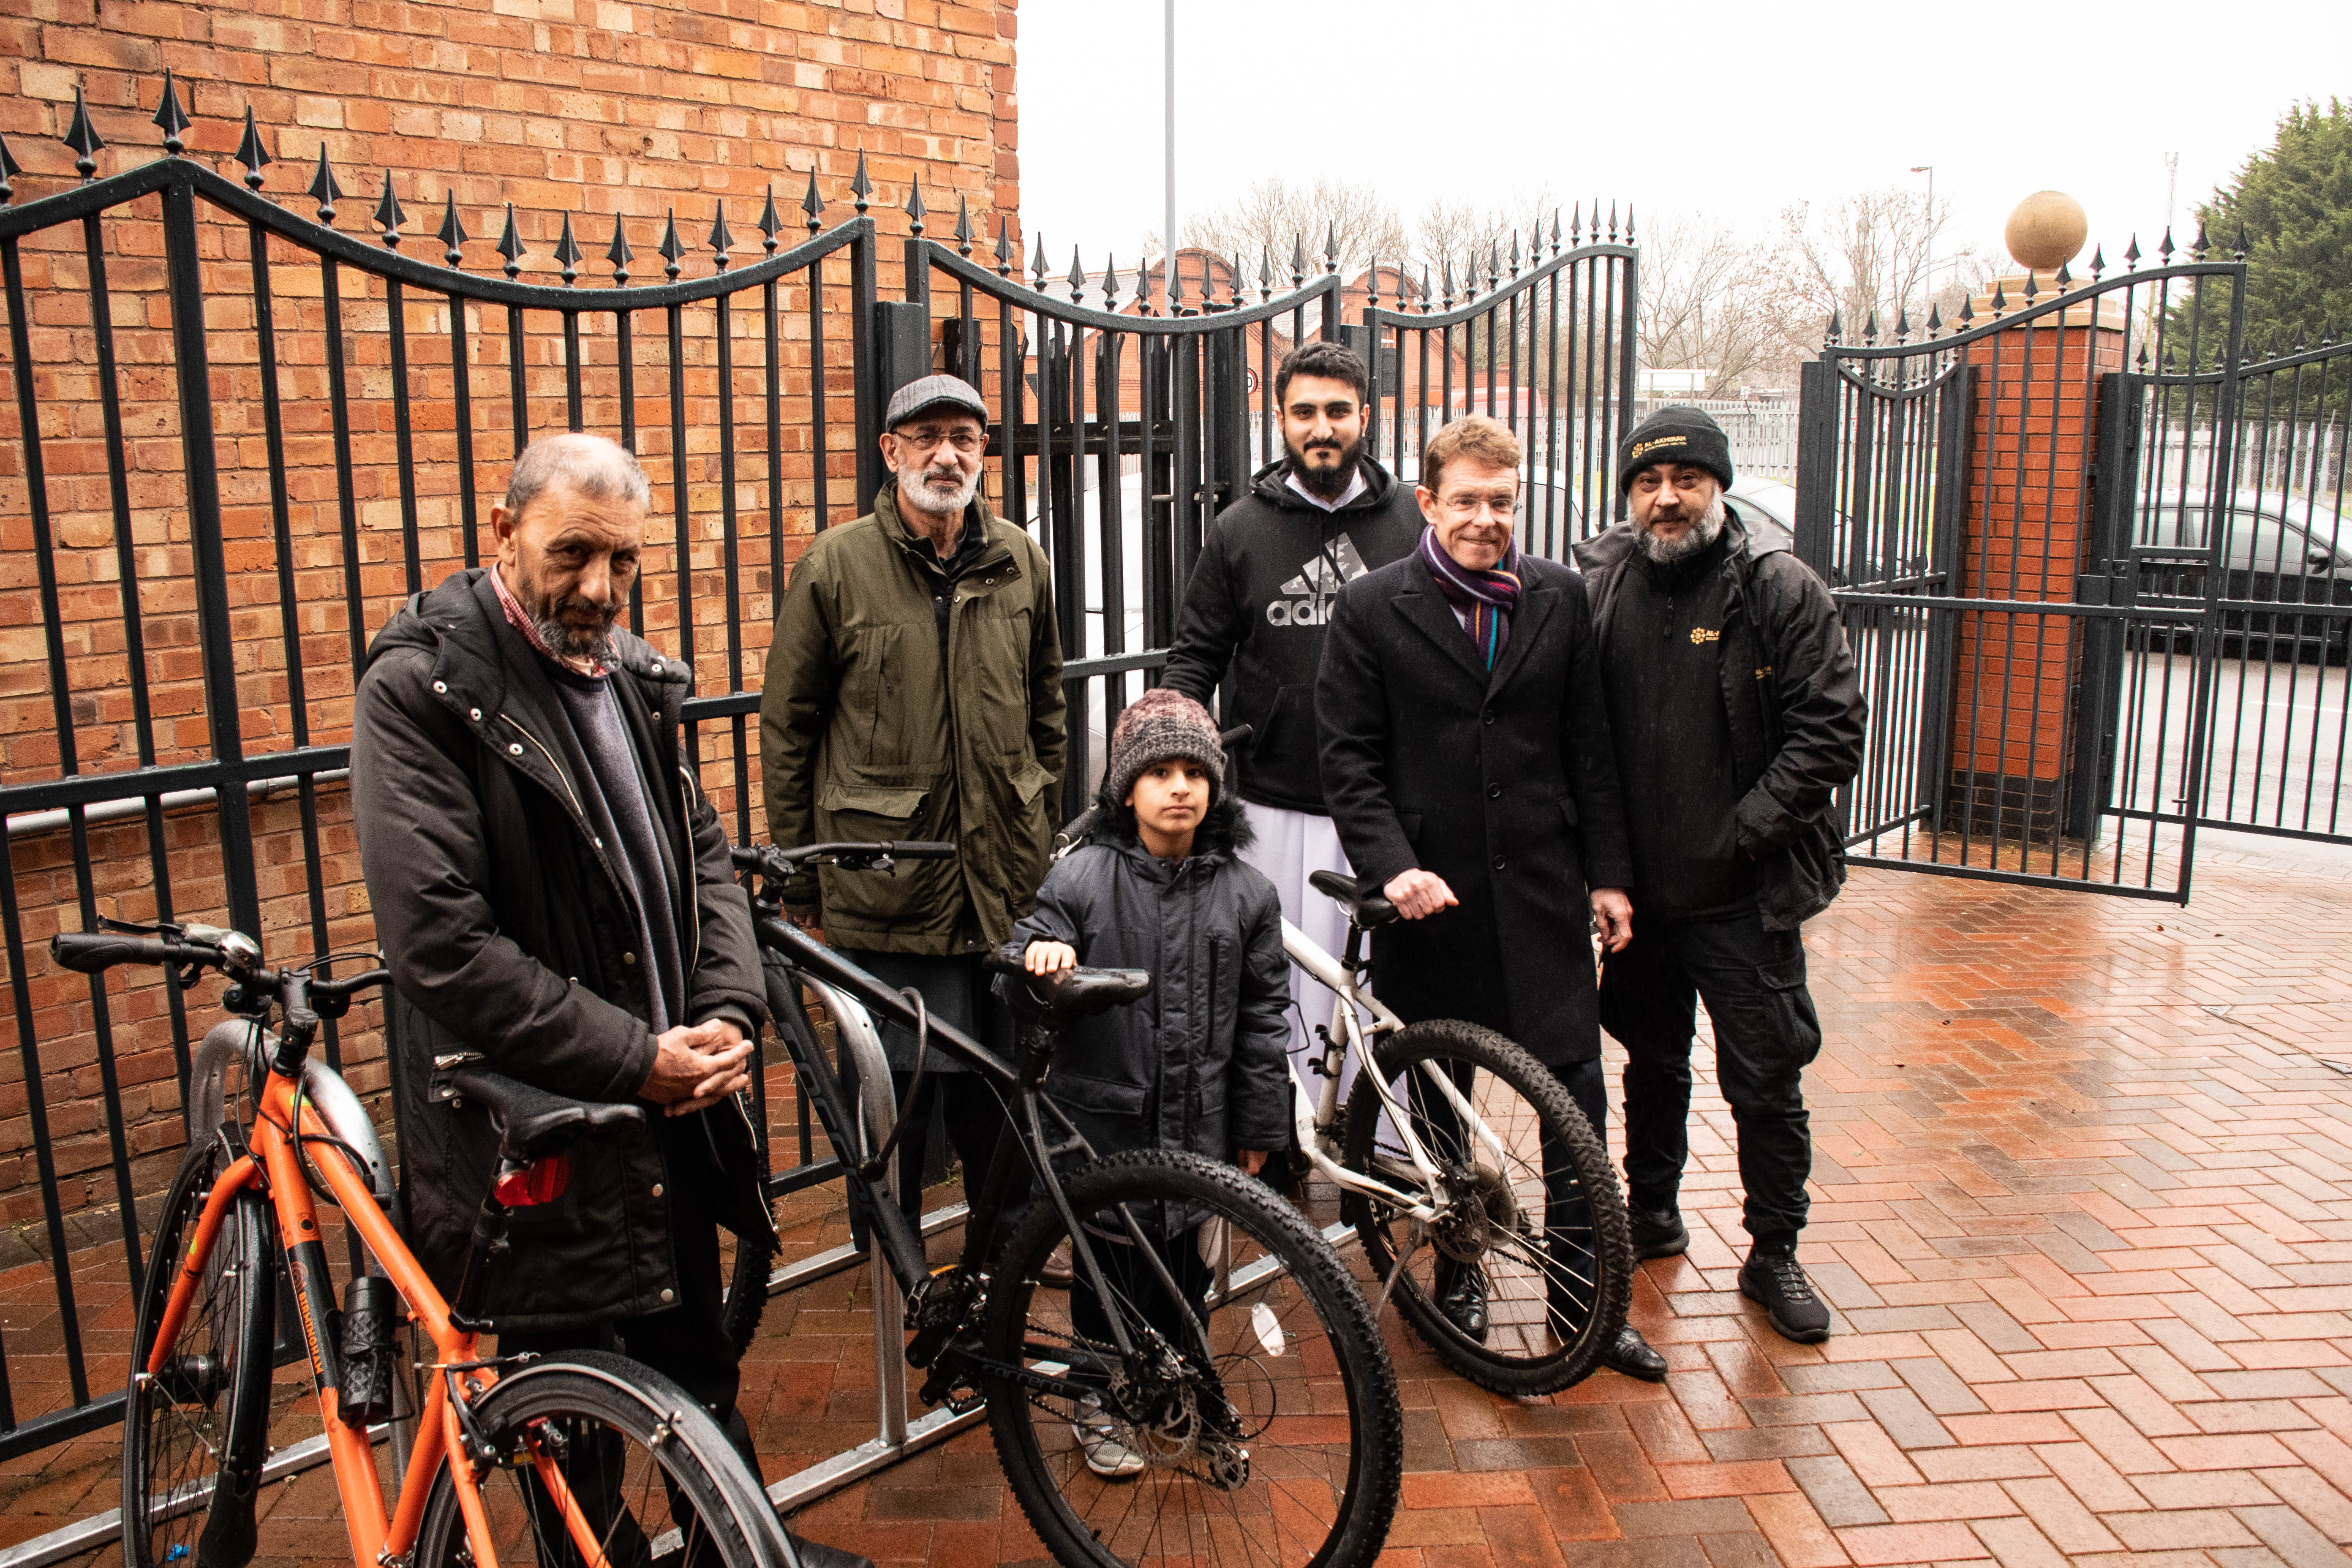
(541, 1182)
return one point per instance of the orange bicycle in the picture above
(585, 1460)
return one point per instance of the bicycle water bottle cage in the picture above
(534, 1124)
(1367, 909)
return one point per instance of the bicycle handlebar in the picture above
(769, 860)
(204, 947)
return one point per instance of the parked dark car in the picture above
(2277, 550)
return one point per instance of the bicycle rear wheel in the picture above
(195, 1435)
(1280, 1446)
(602, 1458)
(1535, 1214)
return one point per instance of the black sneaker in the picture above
(1777, 1281)
(1462, 1297)
(1658, 1233)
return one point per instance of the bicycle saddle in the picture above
(1369, 910)
(1074, 992)
(534, 1123)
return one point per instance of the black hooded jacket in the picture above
(1793, 700)
(1201, 1063)
(1270, 570)
(509, 932)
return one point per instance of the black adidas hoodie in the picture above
(1270, 570)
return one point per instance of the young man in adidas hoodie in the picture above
(1269, 571)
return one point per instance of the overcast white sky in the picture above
(1731, 108)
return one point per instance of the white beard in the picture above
(918, 494)
(1690, 542)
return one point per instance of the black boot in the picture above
(1658, 1232)
(1772, 1277)
(1462, 1297)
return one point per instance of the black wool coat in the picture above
(509, 932)
(1503, 783)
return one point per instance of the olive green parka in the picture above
(863, 735)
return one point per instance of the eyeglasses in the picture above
(1467, 507)
(963, 438)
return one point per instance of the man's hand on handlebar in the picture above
(1049, 957)
(1418, 893)
(697, 1065)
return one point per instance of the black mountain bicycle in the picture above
(1211, 1388)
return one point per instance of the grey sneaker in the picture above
(1777, 1281)
(1099, 1440)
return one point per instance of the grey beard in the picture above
(1697, 537)
(566, 643)
(922, 498)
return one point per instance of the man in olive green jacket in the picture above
(914, 691)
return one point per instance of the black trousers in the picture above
(1765, 1034)
(687, 1343)
(1131, 1277)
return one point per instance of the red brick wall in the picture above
(597, 109)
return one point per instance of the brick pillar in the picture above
(2028, 524)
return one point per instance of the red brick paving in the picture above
(2083, 1205)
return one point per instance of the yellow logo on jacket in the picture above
(1700, 634)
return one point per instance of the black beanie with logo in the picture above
(1677, 434)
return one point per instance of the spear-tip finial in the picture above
(323, 189)
(2131, 254)
(2064, 277)
(915, 209)
(170, 118)
(1629, 223)
(2164, 247)
(8, 172)
(1837, 329)
(860, 186)
(1004, 251)
(510, 245)
(1111, 283)
(1968, 312)
(82, 137)
(1077, 279)
(1331, 247)
(670, 248)
(1037, 264)
(812, 204)
(388, 216)
(251, 154)
(567, 252)
(453, 233)
(2198, 246)
(1902, 323)
(964, 232)
(721, 240)
(2238, 251)
(619, 254)
(1999, 299)
(770, 225)
(1264, 273)
(1870, 328)
(2098, 261)
(1935, 319)
(1555, 231)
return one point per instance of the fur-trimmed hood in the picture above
(1225, 829)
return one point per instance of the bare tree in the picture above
(1274, 221)
(1706, 299)
(1866, 261)
(1474, 241)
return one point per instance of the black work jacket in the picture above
(510, 933)
(1200, 1063)
(1504, 783)
(1793, 698)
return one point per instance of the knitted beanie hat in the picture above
(1677, 434)
(1159, 725)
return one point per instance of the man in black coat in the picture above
(1738, 715)
(1466, 759)
(1273, 565)
(553, 895)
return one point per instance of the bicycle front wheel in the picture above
(1531, 1223)
(603, 1460)
(1277, 1443)
(196, 1432)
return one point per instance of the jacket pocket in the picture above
(876, 800)
(1028, 779)
(1103, 1096)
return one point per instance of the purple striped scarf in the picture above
(1483, 600)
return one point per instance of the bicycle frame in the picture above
(270, 1165)
(1316, 1116)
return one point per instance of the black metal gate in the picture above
(2063, 591)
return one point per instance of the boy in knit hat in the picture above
(1200, 1064)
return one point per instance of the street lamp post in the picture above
(1927, 267)
(1167, 271)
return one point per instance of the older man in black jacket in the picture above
(1466, 759)
(553, 894)
(1738, 715)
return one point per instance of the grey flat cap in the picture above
(933, 392)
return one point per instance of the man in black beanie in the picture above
(1737, 714)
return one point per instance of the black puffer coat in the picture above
(510, 933)
(1200, 1064)
(1795, 705)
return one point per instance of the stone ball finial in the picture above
(2046, 230)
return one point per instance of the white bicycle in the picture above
(1484, 1201)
